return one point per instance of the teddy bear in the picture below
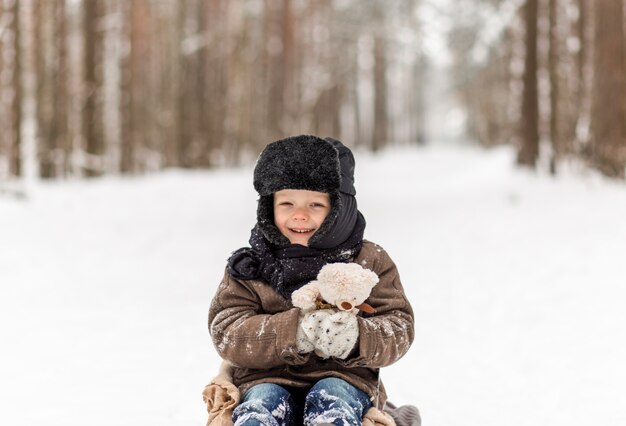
(329, 306)
(344, 286)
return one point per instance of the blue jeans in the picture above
(330, 400)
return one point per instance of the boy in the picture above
(307, 217)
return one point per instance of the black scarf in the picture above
(288, 268)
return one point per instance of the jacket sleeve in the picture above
(385, 336)
(247, 336)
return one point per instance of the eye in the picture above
(318, 205)
(285, 203)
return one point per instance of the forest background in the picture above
(99, 87)
(129, 130)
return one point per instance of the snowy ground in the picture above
(518, 282)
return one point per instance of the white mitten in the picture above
(337, 335)
(308, 328)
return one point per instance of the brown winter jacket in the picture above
(254, 328)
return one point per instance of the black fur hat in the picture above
(305, 162)
(314, 164)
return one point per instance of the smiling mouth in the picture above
(301, 231)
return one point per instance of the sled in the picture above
(221, 396)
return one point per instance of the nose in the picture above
(345, 306)
(300, 214)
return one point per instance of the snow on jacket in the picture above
(254, 328)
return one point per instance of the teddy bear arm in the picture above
(305, 297)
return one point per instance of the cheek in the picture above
(322, 217)
(279, 217)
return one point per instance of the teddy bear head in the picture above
(346, 285)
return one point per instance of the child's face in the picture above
(299, 213)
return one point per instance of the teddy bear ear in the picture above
(372, 278)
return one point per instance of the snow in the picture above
(517, 280)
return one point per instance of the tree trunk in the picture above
(15, 147)
(187, 110)
(29, 167)
(553, 65)
(59, 131)
(418, 102)
(204, 125)
(5, 122)
(529, 150)
(181, 128)
(93, 138)
(353, 94)
(379, 133)
(608, 111)
(582, 96)
(237, 111)
(287, 64)
(275, 47)
(170, 83)
(50, 58)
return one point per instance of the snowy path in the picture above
(517, 280)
